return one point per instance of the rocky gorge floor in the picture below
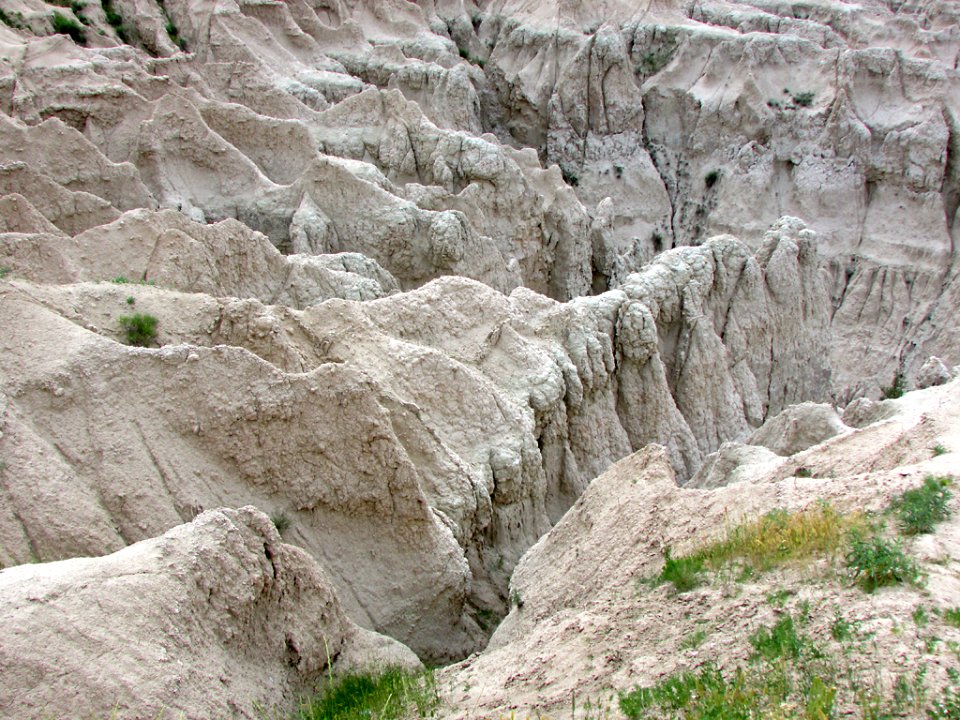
(333, 333)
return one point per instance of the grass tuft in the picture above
(392, 695)
(779, 641)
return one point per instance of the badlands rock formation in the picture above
(217, 616)
(424, 270)
(584, 625)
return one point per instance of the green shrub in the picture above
(779, 641)
(875, 562)
(683, 572)
(392, 695)
(803, 99)
(951, 616)
(4, 271)
(115, 20)
(62, 25)
(281, 521)
(939, 450)
(895, 389)
(140, 329)
(711, 178)
(918, 510)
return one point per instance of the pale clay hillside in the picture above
(598, 356)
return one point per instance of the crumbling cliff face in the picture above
(423, 271)
(214, 617)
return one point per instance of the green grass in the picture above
(738, 695)
(939, 450)
(683, 572)
(803, 99)
(392, 695)
(4, 271)
(875, 561)
(62, 25)
(140, 329)
(842, 629)
(694, 641)
(951, 616)
(920, 509)
(774, 539)
(779, 641)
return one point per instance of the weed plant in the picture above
(875, 561)
(920, 509)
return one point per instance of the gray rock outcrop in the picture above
(214, 618)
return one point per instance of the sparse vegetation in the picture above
(918, 510)
(115, 20)
(392, 695)
(939, 450)
(842, 629)
(281, 521)
(131, 300)
(569, 176)
(874, 562)
(803, 472)
(778, 641)
(711, 178)
(694, 640)
(4, 271)
(123, 280)
(140, 329)
(683, 572)
(62, 25)
(774, 539)
(951, 616)
(803, 99)
(895, 389)
(9, 21)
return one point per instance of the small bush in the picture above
(895, 389)
(875, 562)
(803, 472)
(115, 20)
(939, 450)
(918, 510)
(393, 695)
(4, 271)
(141, 329)
(779, 641)
(62, 25)
(711, 178)
(803, 99)
(281, 521)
